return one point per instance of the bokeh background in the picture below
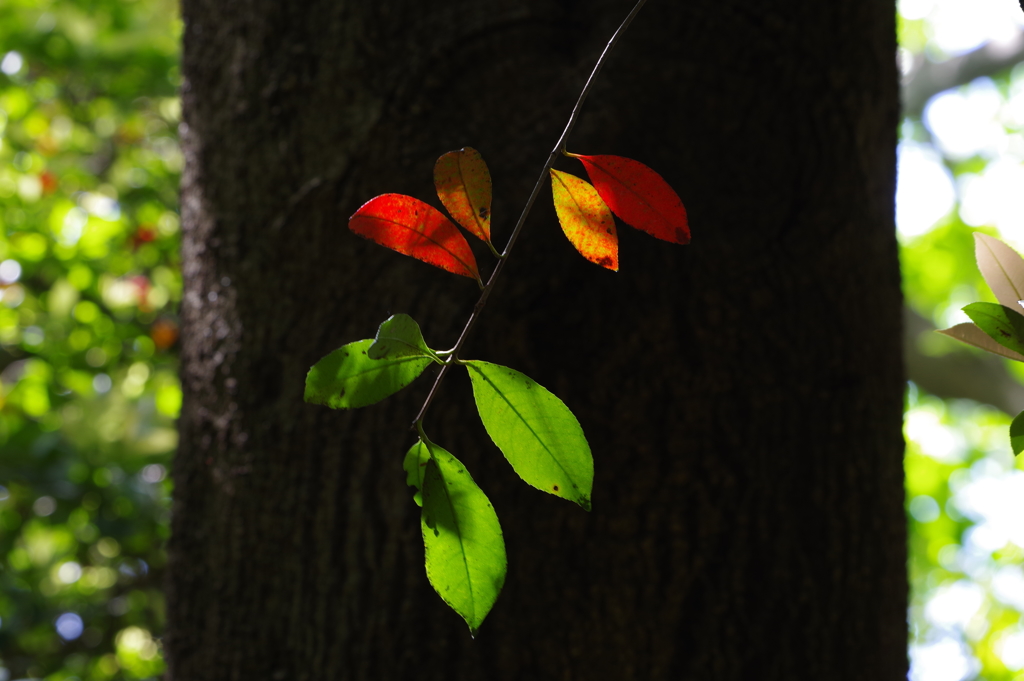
(961, 169)
(89, 282)
(89, 286)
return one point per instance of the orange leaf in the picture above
(164, 333)
(411, 227)
(585, 219)
(464, 187)
(639, 196)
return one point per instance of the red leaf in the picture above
(585, 219)
(639, 196)
(464, 186)
(49, 182)
(411, 227)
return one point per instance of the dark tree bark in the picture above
(743, 395)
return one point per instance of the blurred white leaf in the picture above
(1002, 267)
(972, 335)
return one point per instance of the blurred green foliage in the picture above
(89, 280)
(964, 587)
(965, 557)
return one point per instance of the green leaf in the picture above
(399, 336)
(1017, 434)
(347, 378)
(415, 466)
(1003, 325)
(535, 431)
(463, 544)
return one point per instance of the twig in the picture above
(559, 148)
(928, 79)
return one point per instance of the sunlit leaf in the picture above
(415, 466)
(639, 196)
(463, 544)
(972, 335)
(535, 431)
(585, 219)
(999, 322)
(399, 336)
(1003, 269)
(464, 186)
(411, 227)
(347, 378)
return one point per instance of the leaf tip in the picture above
(1017, 434)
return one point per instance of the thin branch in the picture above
(559, 148)
(927, 79)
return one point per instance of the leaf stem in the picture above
(494, 251)
(558, 149)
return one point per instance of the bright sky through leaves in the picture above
(924, 191)
(964, 486)
(975, 121)
(959, 26)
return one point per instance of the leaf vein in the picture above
(530, 428)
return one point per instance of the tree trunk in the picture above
(742, 395)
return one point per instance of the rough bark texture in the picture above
(743, 395)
